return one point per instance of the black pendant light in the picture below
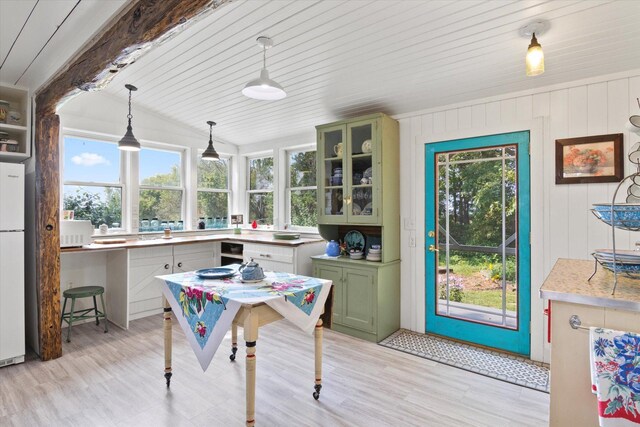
(210, 153)
(128, 141)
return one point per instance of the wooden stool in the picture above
(83, 292)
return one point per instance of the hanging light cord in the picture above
(264, 56)
(129, 116)
(210, 129)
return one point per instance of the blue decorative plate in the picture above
(354, 240)
(215, 273)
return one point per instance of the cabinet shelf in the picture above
(19, 100)
(10, 127)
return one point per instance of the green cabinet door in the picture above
(335, 275)
(359, 298)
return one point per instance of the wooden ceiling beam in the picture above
(144, 24)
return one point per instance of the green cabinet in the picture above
(366, 296)
(357, 162)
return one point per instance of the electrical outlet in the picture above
(412, 240)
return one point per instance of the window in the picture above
(213, 188)
(261, 190)
(161, 188)
(301, 189)
(93, 187)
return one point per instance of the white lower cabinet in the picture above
(145, 291)
(287, 259)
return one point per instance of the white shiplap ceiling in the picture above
(37, 37)
(338, 59)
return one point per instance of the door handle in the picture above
(431, 233)
(166, 266)
(432, 248)
(179, 264)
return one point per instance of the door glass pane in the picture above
(361, 200)
(333, 144)
(477, 239)
(333, 201)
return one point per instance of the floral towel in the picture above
(205, 309)
(615, 376)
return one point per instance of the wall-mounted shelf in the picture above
(20, 101)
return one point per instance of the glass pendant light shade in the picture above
(210, 153)
(128, 141)
(535, 58)
(264, 88)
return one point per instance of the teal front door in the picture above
(477, 250)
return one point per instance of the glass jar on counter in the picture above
(217, 223)
(154, 225)
(163, 225)
(223, 223)
(144, 225)
(180, 225)
(201, 223)
(171, 225)
(209, 222)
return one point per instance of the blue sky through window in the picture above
(155, 162)
(91, 161)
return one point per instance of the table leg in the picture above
(234, 341)
(318, 358)
(251, 336)
(167, 341)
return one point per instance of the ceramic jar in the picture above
(333, 248)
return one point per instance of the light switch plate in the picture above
(412, 239)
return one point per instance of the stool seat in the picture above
(83, 292)
(73, 315)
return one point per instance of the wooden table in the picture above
(250, 316)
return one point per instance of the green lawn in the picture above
(489, 298)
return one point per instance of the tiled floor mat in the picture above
(501, 366)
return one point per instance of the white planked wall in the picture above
(567, 228)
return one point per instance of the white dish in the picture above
(252, 281)
(356, 209)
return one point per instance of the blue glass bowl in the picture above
(625, 215)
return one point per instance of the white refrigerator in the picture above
(12, 309)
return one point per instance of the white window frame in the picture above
(182, 151)
(216, 190)
(289, 188)
(122, 184)
(273, 186)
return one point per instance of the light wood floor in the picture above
(116, 379)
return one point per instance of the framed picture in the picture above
(589, 159)
(236, 219)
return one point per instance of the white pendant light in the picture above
(263, 87)
(210, 153)
(534, 60)
(128, 141)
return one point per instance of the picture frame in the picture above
(589, 159)
(236, 219)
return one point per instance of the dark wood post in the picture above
(48, 234)
(143, 25)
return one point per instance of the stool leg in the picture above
(73, 304)
(104, 314)
(95, 308)
(64, 306)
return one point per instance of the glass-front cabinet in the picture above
(350, 173)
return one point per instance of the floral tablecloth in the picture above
(206, 308)
(615, 376)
